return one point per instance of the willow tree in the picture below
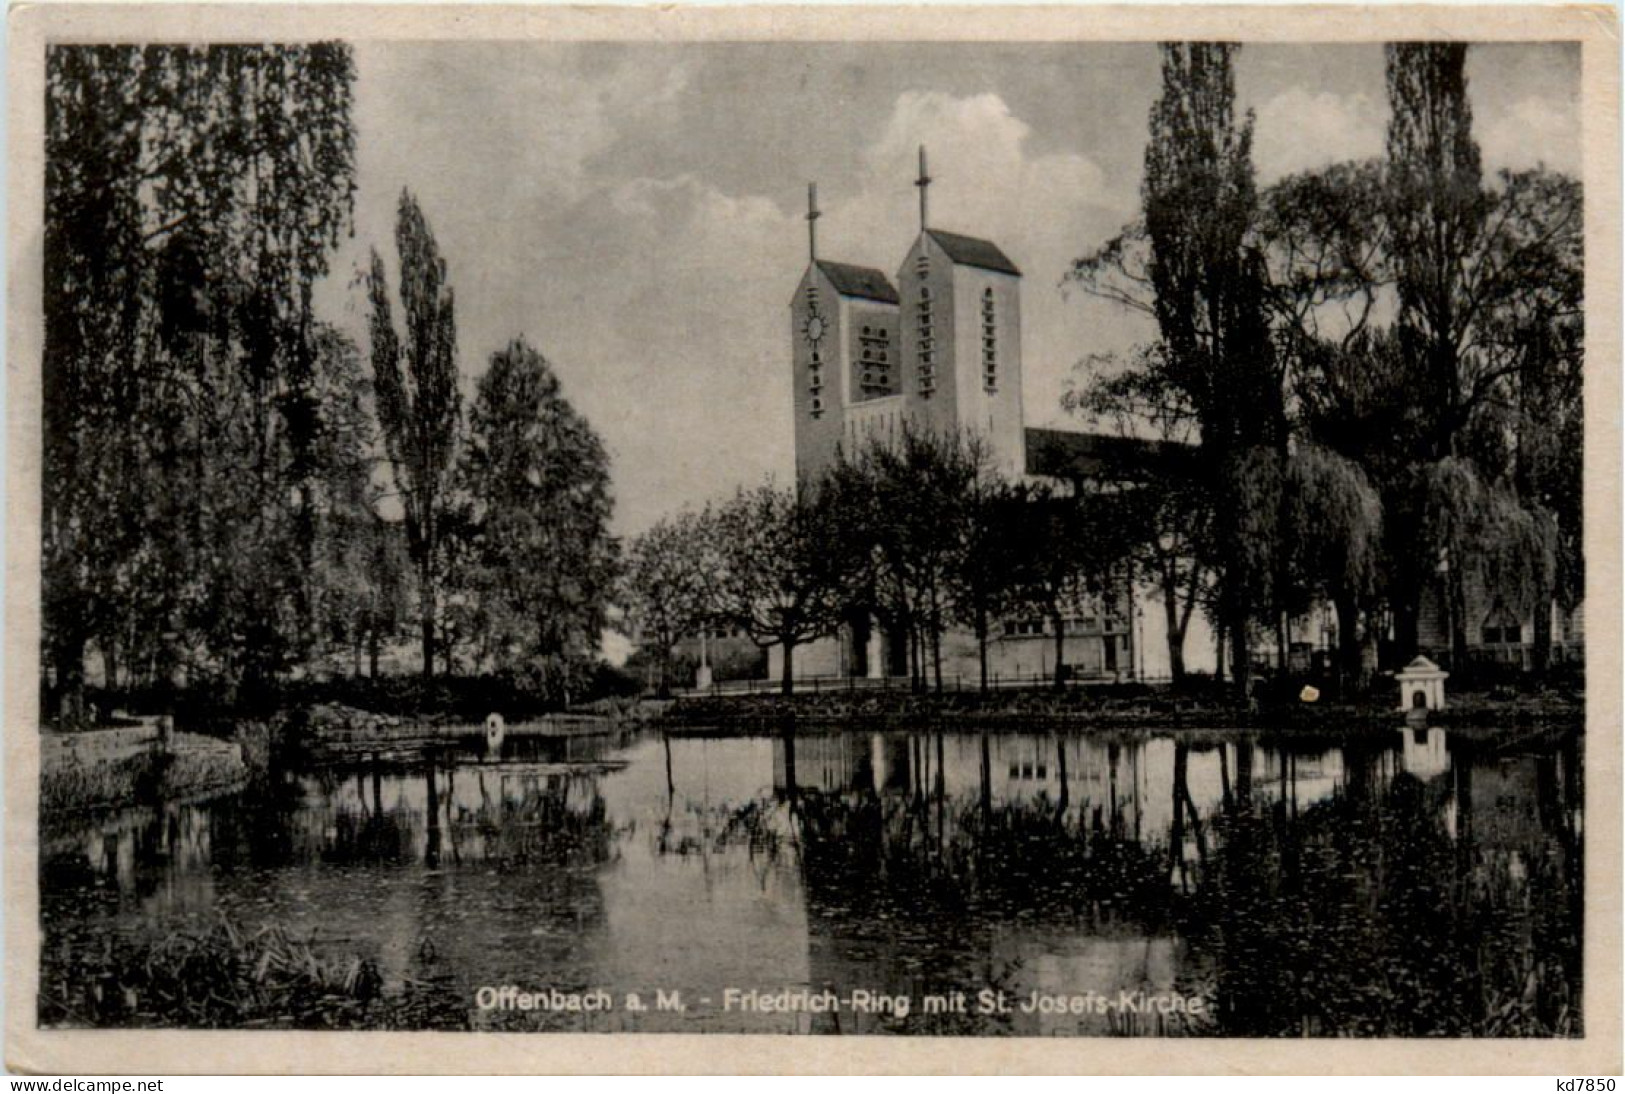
(1332, 529)
(193, 195)
(419, 405)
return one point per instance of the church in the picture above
(940, 347)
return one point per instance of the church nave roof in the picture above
(859, 281)
(970, 251)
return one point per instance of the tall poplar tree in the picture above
(1209, 303)
(419, 406)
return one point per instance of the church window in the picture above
(1017, 628)
(990, 342)
(873, 357)
(927, 369)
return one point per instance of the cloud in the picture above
(1044, 210)
(1537, 130)
(661, 300)
(1299, 130)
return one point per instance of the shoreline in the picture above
(1473, 718)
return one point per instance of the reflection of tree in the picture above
(542, 825)
(873, 855)
(1364, 915)
(910, 891)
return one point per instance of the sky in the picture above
(635, 211)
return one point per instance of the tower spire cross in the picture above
(924, 183)
(812, 221)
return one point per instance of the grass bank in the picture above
(227, 977)
(81, 771)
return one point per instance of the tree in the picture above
(1171, 507)
(350, 578)
(780, 580)
(1333, 520)
(419, 407)
(537, 476)
(983, 583)
(1195, 257)
(1489, 282)
(184, 229)
(667, 590)
(1072, 554)
(904, 507)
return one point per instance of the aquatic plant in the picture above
(225, 977)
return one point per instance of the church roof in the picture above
(969, 251)
(859, 281)
(1065, 454)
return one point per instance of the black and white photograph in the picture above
(848, 536)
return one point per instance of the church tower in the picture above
(844, 333)
(961, 337)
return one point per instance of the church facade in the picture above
(938, 348)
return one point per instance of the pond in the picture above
(935, 882)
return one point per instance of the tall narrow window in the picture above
(990, 342)
(927, 365)
(813, 330)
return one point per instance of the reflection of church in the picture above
(940, 350)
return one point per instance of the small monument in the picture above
(496, 730)
(1421, 685)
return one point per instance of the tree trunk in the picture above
(1218, 650)
(1540, 655)
(1176, 632)
(372, 649)
(1348, 642)
(787, 678)
(1060, 648)
(1407, 605)
(936, 653)
(1241, 668)
(110, 663)
(1457, 588)
(981, 648)
(68, 659)
(426, 604)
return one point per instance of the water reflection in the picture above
(1407, 885)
